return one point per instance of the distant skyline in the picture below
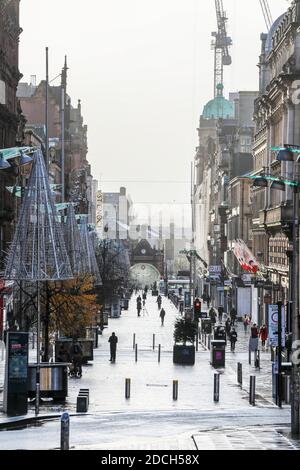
(144, 71)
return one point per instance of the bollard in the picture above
(127, 388)
(287, 389)
(240, 373)
(133, 341)
(216, 388)
(65, 432)
(153, 342)
(209, 341)
(159, 352)
(205, 339)
(252, 390)
(37, 394)
(136, 353)
(175, 390)
(249, 357)
(257, 359)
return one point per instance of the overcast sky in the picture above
(143, 70)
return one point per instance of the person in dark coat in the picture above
(144, 296)
(233, 316)
(228, 327)
(212, 315)
(113, 340)
(139, 299)
(233, 339)
(159, 301)
(139, 308)
(220, 312)
(162, 316)
(208, 300)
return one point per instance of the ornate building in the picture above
(11, 120)
(277, 119)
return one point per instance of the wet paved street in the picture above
(151, 419)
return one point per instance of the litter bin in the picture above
(217, 351)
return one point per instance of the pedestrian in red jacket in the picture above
(263, 334)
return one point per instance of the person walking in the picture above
(76, 356)
(159, 302)
(263, 334)
(228, 327)
(144, 296)
(212, 315)
(113, 340)
(139, 299)
(246, 323)
(233, 339)
(208, 300)
(162, 316)
(139, 308)
(253, 343)
(220, 313)
(233, 316)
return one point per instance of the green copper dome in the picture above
(219, 107)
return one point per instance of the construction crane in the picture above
(221, 45)
(267, 13)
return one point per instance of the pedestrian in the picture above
(159, 302)
(228, 327)
(162, 316)
(139, 308)
(113, 340)
(254, 331)
(208, 300)
(144, 296)
(220, 313)
(139, 299)
(246, 323)
(233, 316)
(263, 334)
(233, 339)
(76, 355)
(212, 315)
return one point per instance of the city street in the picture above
(150, 419)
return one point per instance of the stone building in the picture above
(277, 121)
(11, 119)
(224, 154)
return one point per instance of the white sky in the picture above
(143, 70)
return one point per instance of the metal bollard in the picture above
(287, 389)
(159, 352)
(127, 388)
(216, 388)
(133, 341)
(175, 390)
(209, 341)
(240, 373)
(257, 359)
(136, 353)
(205, 336)
(153, 342)
(65, 432)
(252, 390)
